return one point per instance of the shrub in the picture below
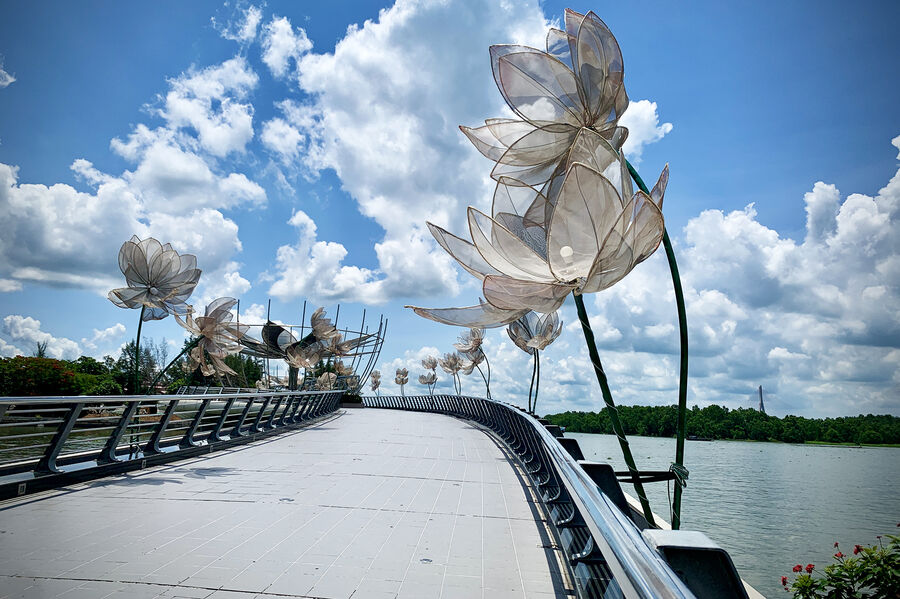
(36, 376)
(871, 573)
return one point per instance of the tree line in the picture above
(40, 375)
(717, 422)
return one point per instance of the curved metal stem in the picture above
(488, 382)
(537, 385)
(611, 408)
(533, 374)
(681, 424)
(137, 353)
(187, 348)
(487, 385)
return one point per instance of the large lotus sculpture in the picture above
(159, 279)
(578, 82)
(564, 217)
(217, 336)
(597, 232)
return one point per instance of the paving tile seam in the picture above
(449, 480)
(163, 585)
(400, 511)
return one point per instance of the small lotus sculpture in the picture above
(470, 345)
(454, 364)
(375, 381)
(401, 377)
(532, 333)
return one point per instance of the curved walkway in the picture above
(372, 504)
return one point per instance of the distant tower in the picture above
(762, 407)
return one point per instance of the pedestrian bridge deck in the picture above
(368, 504)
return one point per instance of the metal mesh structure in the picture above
(352, 352)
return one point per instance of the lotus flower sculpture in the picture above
(342, 369)
(326, 381)
(532, 333)
(401, 377)
(159, 281)
(578, 82)
(375, 381)
(428, 379)
(469, 345)
(453, 364)
(217, 336)
(564, 217)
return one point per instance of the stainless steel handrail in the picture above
(104, 428)
(637, 568)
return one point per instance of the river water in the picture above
(771, 505)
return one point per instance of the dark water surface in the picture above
(772, 505)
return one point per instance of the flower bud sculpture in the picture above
(375, 382)
(401, 378)
(532, 333)
(469, 345)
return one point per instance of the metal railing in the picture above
(101, 435)
(607, 553)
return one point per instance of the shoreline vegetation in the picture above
(743, 424)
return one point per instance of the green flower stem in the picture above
(681, 424)
(137, 354)
(487, 384)
(487, 363)
(611, 408)
(188, 348)
(533, 374)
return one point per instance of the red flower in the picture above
(839, 555)
(798, 568)
(784, 581)
(810, 568)
(835, 544)
(857, 549)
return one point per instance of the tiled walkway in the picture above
(371, 504)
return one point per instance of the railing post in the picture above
(216, 434)
(288, 407)
(47, 465)
(188, 439)
(236, 431)
(270, 423)
(108, 453)
(152, 446)
(262, 411)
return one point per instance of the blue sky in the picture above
(297, 150)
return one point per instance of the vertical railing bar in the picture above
(152, 445)
(47, 465)
(188, 440)
(108, 453)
